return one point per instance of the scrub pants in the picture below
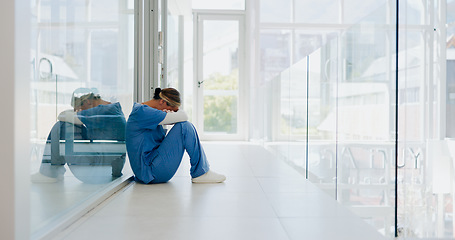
(181, 137)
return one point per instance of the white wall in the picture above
(14, 121)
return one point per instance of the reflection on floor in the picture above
(262, 198)
(50, 201)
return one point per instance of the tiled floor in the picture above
(262, 198)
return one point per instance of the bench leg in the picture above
(117, 166)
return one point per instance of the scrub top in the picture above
(104, 122)
(143, 137)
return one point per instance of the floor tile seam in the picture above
(200, 193)
(341, 217)
(269, 202)
(186, 216)
(288, 234)
(268, 194)
(339, 227)
(114, 196)
(316, 191)
(103, 216)
(244, 156)
(343, 220)
(269, 198)
(93, 213)
(316, 215)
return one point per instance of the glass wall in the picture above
(331, 105)
(420, 212)
(366, 118)
(81, 61)
(316, 59)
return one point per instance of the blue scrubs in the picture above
(155, 157)
(104, 122)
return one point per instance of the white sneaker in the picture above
(40, 178)
(209, 177)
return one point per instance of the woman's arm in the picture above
(174, 117)
(69, 116)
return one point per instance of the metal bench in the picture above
(78, 152)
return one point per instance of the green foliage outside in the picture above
(220, 112)
(216, 81)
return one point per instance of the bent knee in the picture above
(183, 124)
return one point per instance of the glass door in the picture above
(219, 77)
